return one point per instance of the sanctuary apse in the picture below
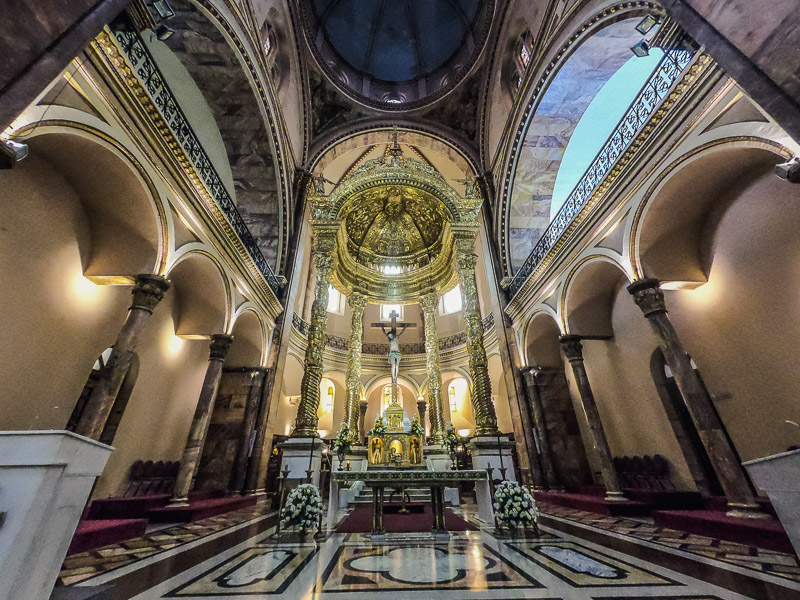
(490, 297)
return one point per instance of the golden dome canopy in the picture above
(394, 225)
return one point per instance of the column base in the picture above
(746, 511)
(300, 454)
(616, 497)
(487, 452)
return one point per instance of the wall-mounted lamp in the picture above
(646, 24)
(641, 49)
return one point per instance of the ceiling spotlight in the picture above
(163, 9)
(164, 32)
(11, 153)
(648, 23)
(641, 49)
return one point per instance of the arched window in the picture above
(268, 39)
(451, 302)
(522, 58)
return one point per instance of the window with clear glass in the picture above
(335, 301)
(386, 311)
(451, 301)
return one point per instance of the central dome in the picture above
(392, 54)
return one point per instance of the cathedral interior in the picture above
(398, 297)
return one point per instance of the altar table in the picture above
(437, 481)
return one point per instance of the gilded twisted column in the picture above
(649, 297)
(357, 303)
(306, 423)
(429, 302)
(485, 417)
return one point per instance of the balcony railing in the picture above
(140, 59)
(668, 71)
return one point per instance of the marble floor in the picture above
(245, 560)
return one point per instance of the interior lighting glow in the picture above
(84, 290)
(463, 432)
(175, 345)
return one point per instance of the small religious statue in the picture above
(376, 451)
(471, 188)
(394, 345)
(319, 182)
(415, 451)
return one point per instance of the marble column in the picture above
(421, 406)
(362, 414)
(540, 428)
(357, 303)
(256, 466)
(220, 344)
(429, 302)
(247, 434)
(573, 349)
(306, 422)
(649, 297)
(485, 417)
(147, 293)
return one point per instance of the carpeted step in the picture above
(667, 499)
(200, 509)
(595, 504)
(360, 521)
(138, 507)
(96, 533)
(762, 533)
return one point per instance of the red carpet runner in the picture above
(360, 521)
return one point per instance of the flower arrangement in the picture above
(451, 439)
(514, 505)
(416, 427)
(303, 507)
(343, 440)
(378, 427)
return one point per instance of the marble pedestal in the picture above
(45, 480)
(300, 454)
(436, 458)
(779, 476)
(486, 452)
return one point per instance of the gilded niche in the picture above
(394, 221)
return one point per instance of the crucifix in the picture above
(394, 355)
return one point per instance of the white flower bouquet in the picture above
(303, 507)
(514, 506)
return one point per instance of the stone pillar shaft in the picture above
(649, 297)
(246, 436)
(147, 293)
(258, 458)
(306, 423)
(357, 303)
(540, 427)
(220, 344)
(362, 414)
(421, 406)
(573, 349)
(485, 417)
(429, 303)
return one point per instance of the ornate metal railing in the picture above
(340, 343)
(140, 59)
(669, 69)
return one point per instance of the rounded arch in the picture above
(249, 348)
(672, 226)
(600, 43)
(541, 340)
(379, 381)
(588, 297)
(126, 217)
(336, 152)
(202, 293)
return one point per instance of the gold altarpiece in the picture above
(394, 447)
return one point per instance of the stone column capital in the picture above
(362, 407)
(531, 373)
(572, 347)
(648, 295)
(220, 344)
(148, 291)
